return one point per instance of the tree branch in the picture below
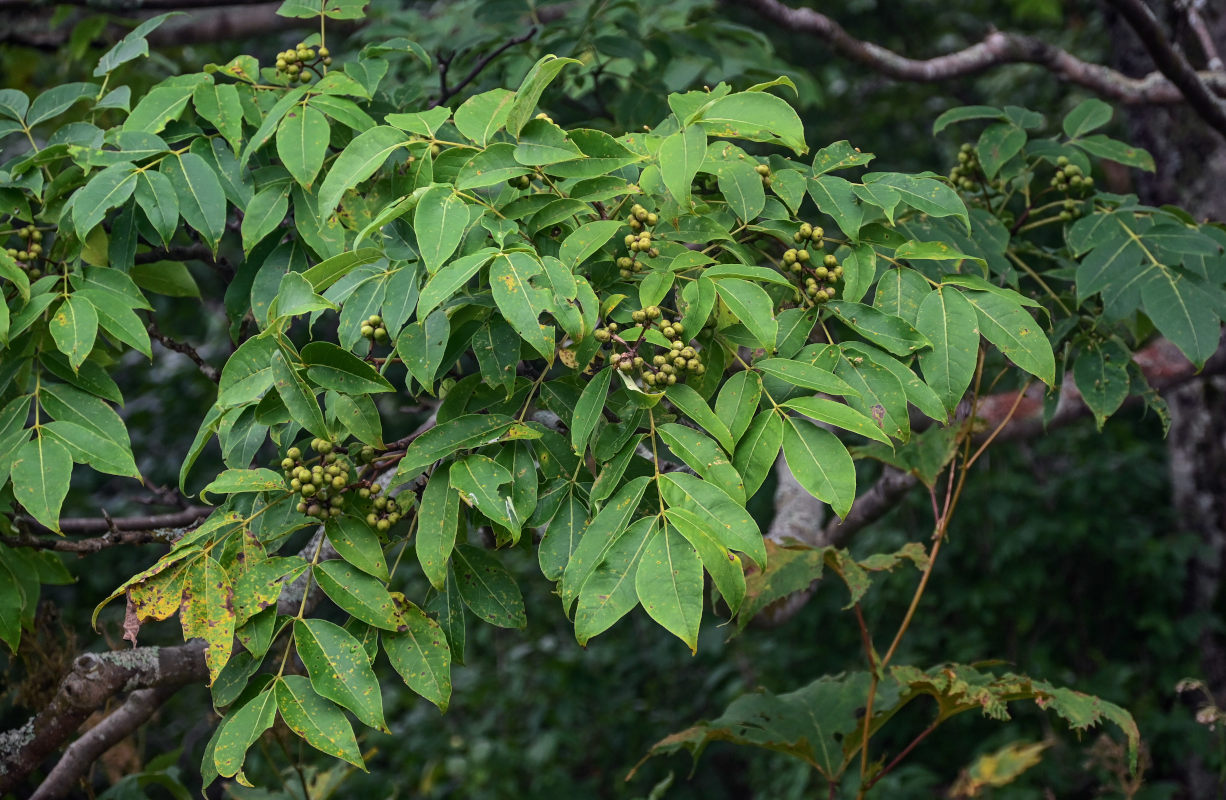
(95, 678)
(996, 49)
(446, 93)
(85, 751)
(208, 370)
(1171, 62)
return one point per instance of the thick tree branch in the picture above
(95, 678)
(1171, 62)
(996, 49)
(85, 751)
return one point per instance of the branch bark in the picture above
(1171, 62)
(995, 49)
(95, 678)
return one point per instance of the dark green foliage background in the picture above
(1064, 557)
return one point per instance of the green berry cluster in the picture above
(298, 63)
(323, 485)
(1070, 176)
(639, 242)
(667, 365)
(520, 182)
(798, 264)
(1071, 210)
(965, 173)
(374, 329)
(384, 511)
(765, 172)
(29, 252)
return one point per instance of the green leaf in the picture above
(608, 594)
(421, 656)
(753, 307)
(158, 107)
(437, 522)
(927, 195)
(522, 302)
(838, 415)
(302, 143)
(40, 471)
(541, 142)
(757, 117)
(997, 144)
(357, 162)
(446, 438)
(1101, 374)
(234, 481)
(1089, 115)
(220, 105)
(296, 296)
(742, 188)
(523, 106)
(132, 46)
(806, 376)
(339, 669)
(900, 292)
(487, 588)
(738, 400)
(74, 328)
(480, 116)
(170, 278)
(443, 285)
(264, 215)
(201, 199)
(728, 520)
(681, 155)
(1015, 333)
(439, 222)
(108, 189)
(1113, 150)
(963, 114)
(837, 198)
(318, 721)
(933, 251)
(880, 394)
(333, 368)
(88, 447)
(951, 324)
(477, 478)
(422, 346)
(329, 271)
(588, 409)
(820, 463)
(689, 402)
(491, 166)
(669, 584)
(423, 123)
(704, 456)
(888, 332)
(757, 450)
(586, 240)
(599, 535)
(240, 729)
(357, 544)
(838, 155)
(1183, 313)
(298, 398)
(359, 594)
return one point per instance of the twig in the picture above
(145, 522)
(1171, 62)
(207, 369)
(995, 49)
(446, 93)
(1212, 60)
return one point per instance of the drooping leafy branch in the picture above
(611, 339)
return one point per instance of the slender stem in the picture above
(905, 752)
